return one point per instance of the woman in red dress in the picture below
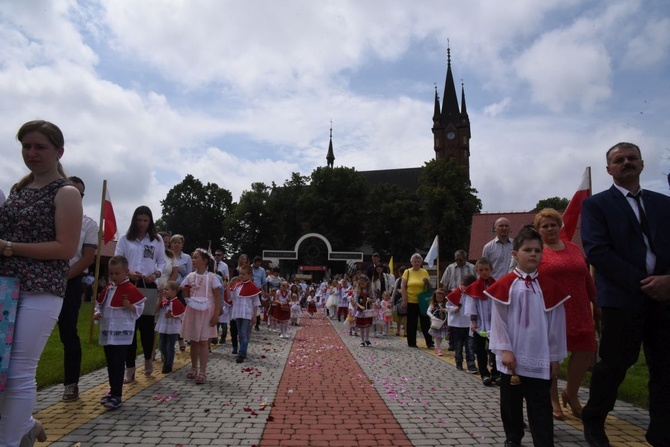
(566, 264)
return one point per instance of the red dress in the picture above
(568, 268)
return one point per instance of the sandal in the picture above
(192, 373)
(148, 367)
(129, 375)
(202, 378)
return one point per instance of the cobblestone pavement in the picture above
(318, 388)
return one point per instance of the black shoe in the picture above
(166, 370)
(362, 344)
(512, 444)
(595, 436)
(451, 348)
(239, 359)
(215, 341)
(486, 380)
(234, 350)
(473, 370)
(367, 342)
(496, 380)
(459, 367)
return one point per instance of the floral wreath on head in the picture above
(202, 250)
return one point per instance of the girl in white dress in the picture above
(202, 290)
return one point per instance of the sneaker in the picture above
(166, 370)
(473, 370)
(234, 350)
(367, 342)
(496, 380)
(239, 359)
(459, 367)
(486, 380)
(215, 341)
(362, 344)
(439, 353)
(71, 392)
(112, 403)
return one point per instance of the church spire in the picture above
(450, 112)
(437, 116)
(330, 158)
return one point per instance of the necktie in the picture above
(643, 220)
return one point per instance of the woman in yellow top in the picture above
(413, 283)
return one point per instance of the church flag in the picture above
(431, 256)
(574, 209)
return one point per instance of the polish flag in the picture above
(574, 209)
(109, 230)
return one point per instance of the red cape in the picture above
(476, 289)
(177, 307)
(123, 289)
(551, 293)
(454, 296)
(245, 289)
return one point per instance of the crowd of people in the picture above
(512, 317)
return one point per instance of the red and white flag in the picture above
(574, 209)
(109, 230)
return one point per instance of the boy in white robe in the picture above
(529, 340)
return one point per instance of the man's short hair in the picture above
(625, 145)
(376, 254)
(461, 253)
(75, 179)
(257, 259)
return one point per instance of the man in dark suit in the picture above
(626, 236)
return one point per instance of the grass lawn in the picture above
(50, 368)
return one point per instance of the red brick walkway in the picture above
(325, 399)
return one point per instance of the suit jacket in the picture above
(612, 239)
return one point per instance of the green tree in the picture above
(334, 206)
(198, 212)
(250, 224)
(449, 201)
(394, 226)
(557, 203)
(282, 205)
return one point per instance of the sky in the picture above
(239, 92)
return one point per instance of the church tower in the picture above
(451, 125)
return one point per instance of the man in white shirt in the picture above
(455, 272)
(221, 266)
(499, 249)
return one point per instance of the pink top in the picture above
(568, 268)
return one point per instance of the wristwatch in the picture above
(8, 251)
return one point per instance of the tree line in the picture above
(335, 202)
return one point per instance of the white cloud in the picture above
(650, 46)
(241, 92)
(497, 108)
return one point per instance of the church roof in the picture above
(406, 178)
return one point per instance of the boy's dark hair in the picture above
(118, 260)
(483, 261)
(257, 259)
(468, 279)
(525, 234)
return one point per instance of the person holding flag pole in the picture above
(106, 232)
